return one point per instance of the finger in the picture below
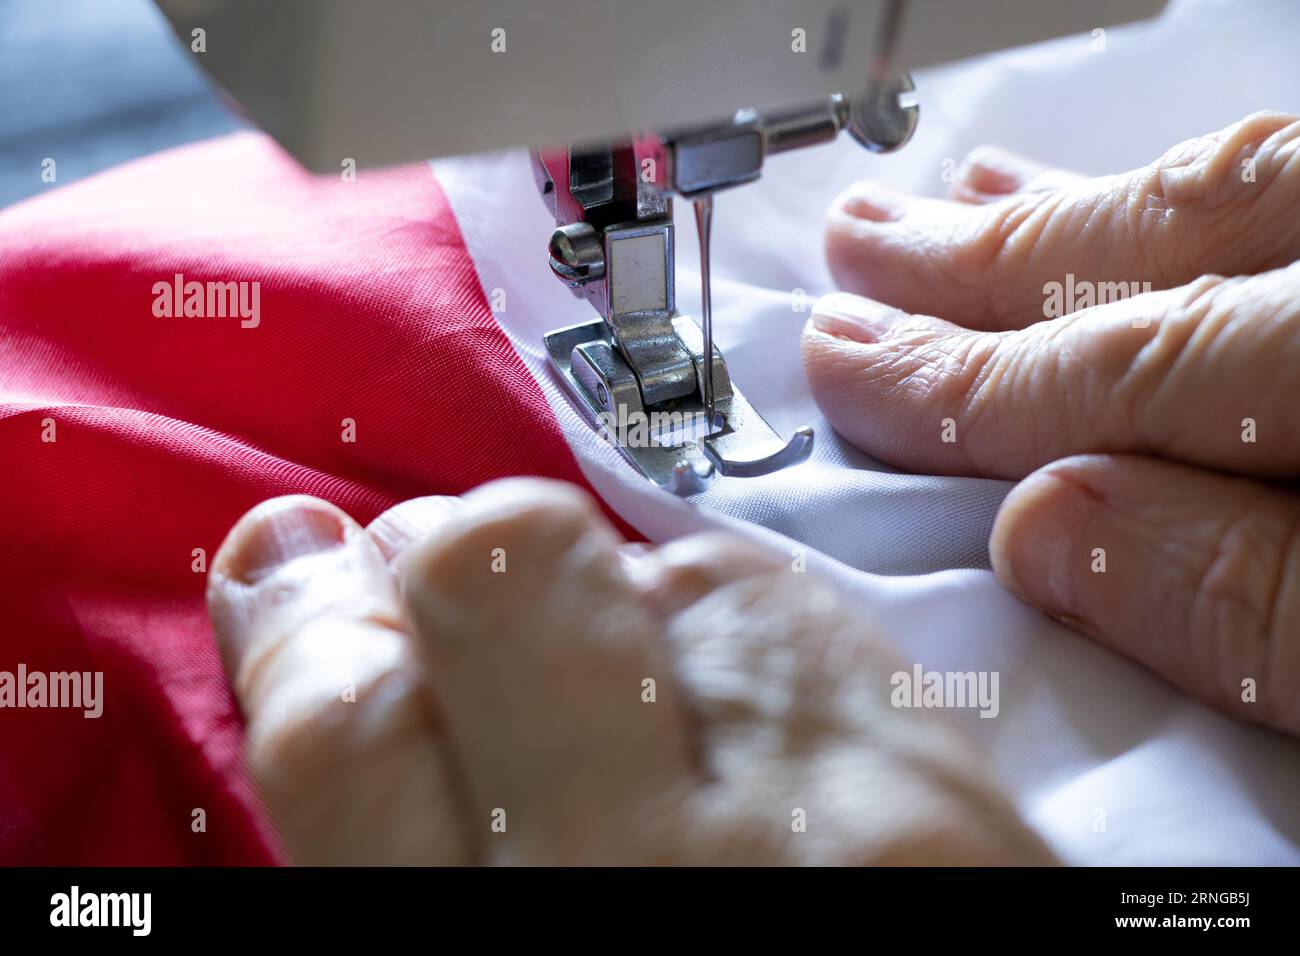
(1223, 203)
(342, 737)
(1195, 575)
(988, 174)
(540, 649)
(402, 525)
(791, 686)
(681, 572)
(1206, 374)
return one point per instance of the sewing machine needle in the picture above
(704, 226)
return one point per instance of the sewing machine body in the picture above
(674, 97)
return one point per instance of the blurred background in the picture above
(93, 83)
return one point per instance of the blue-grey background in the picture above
(93, 83)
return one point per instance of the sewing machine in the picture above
(649, 99)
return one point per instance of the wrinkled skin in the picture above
(393, 724)
(407, 695)
(1126, 420)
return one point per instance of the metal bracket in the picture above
(670, 443)
(640, 370)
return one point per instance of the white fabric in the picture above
(1081, 730)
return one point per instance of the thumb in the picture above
(343, 740)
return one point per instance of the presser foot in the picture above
(671, 442)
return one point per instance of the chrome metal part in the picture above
(670, 443)
(613, 245)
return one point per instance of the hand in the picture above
(1156, 431)
(505, 687)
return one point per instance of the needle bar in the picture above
(704, 226)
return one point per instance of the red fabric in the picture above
(168, 429)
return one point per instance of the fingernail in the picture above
(1037, 548)
(874, 202)
(854, 317)
(286, 530)
(990, 170)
